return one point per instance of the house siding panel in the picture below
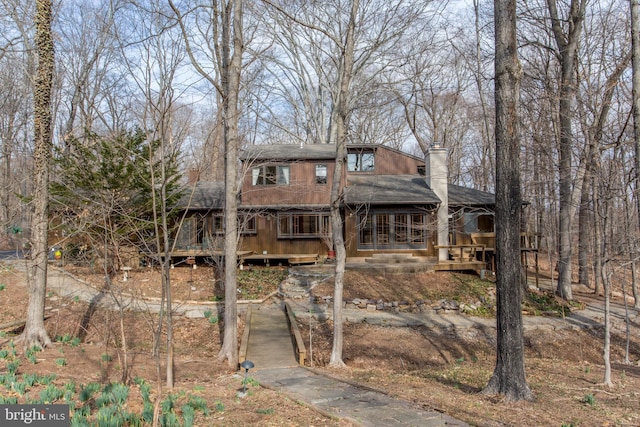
(302, 189)
(266, 239)
(390, 162)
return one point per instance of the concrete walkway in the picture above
(270, 348)
(343, 400)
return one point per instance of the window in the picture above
(270, 175)
(397, 230)
(302, 225)
(246, 224)
(321, 174)
(360, 161)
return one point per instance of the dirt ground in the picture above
(438, 369)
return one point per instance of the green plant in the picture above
(219, 406)
(250, 381)
(12, 367)
(61, 362)
(3, 287)
(51, 394)
(4, 354)
(589, 399)
(46, 379)
(188, 415)
(75, 342)
(268, 411)
(87, 391)
(106, 357)
(213, 320)
(114, 394)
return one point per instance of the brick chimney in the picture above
(436, 176)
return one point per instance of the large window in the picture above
(292, 225)
(270, 175)
(396, 230)
(360, 161)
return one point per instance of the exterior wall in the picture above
(266, 239)
(391, 162)
(302, 189)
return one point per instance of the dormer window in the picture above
(270, 175)
(360, 161)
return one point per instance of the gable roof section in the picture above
(388, 189)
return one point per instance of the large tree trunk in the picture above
(35, 333)
(231, 84)
(509, 375)
(635, 61)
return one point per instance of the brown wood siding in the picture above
(389, 162)
(266, 239)
(302, 189)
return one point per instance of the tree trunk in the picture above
(231, 66)
(584, 234)
(341, 108)
(635, 61)
(567, 47)
(35, 333)
(509, 375)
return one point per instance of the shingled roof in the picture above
(464, 196)
(407, 189)
(288, 152)
(204, 195)
(388, 189)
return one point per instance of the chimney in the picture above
(436, 176)
(193, 176)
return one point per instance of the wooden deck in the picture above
(292, 259)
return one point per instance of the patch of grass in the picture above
(3, 287)
(61, 362)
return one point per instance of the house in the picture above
(393, 202)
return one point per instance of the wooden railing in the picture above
(301, 350)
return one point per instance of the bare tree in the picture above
(35, 333)
(223, 30)
(567, 43)
(508, 378)
(635, 94)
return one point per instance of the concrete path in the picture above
(340, 399)
(270, 348)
